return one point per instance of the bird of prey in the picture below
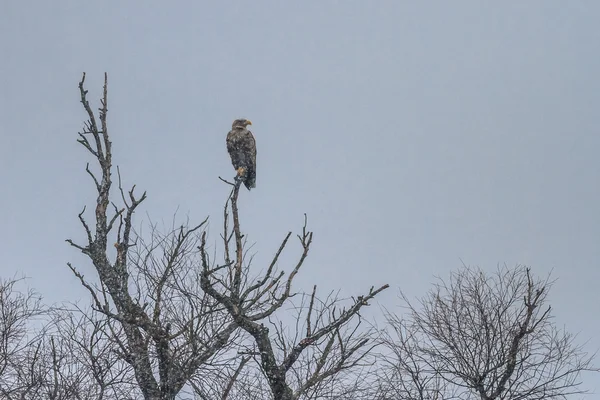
(242, 149)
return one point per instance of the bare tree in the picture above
(83, 361)
(491, 336)
(20, 340)
(253, 301)
(169, 329)
(403, 371)
(45, 358)
(173, 315)
(338, 366)
(335, 366)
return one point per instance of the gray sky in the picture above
(413, 135)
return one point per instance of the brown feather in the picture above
(241, 146)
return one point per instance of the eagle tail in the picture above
(250, 183)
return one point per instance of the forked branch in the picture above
(256, 301)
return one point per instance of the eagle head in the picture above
(241, 123)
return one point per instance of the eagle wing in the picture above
(232, 148)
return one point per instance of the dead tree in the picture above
(402, 371)
(336, 366)
(83, 360)
(327, 348)
(169, 329)
(488, 335)
(20, 342)
(173, 315)
(42, 358)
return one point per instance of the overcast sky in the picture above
(413, 134)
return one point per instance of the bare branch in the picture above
(492, 336)
(260, 299)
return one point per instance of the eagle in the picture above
(242, 149)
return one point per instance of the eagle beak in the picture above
(248, 122)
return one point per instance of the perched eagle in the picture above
(242, 149)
